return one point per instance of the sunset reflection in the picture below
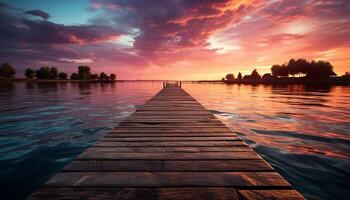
(298, 119)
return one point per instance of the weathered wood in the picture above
(170, 148)
(270, 194)
(98, 193)
(167, 179)
(102, 149)
(174, 144)
(171, 130)
(90, 155)
(147, 139)
(122, 135)
(165, 149)
(168, 166)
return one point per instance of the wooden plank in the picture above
(167, 179)
(170, 130)
(172, 120)
(146, 139)
(173, 113)
(91, 155)
(173, 144)
(123, 135)
(166, 149)
(168, 166)
(270, 194)
(98, 193)
(170, 125)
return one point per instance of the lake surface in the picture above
(302, 131)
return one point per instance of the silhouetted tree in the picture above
(319, 70)
(222, 79)
(230, 77)
(29, 73)
(247, 77)
(46, 73)
(313, 70)
(103, 76)
(346, 75)
(267, 76)
(297, 66)
(94, 76)
(112, 77)
(279, 70)
(54, 72)
(239, 76)
(62, 76)
(255, 74)
(7, 70)
(84, 72)
(74, 76)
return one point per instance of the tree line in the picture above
(52, 73)
(300, 67)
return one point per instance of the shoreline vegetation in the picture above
(51, 74)
(298, 71)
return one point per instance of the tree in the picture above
(239, 76)
(267, 76)
(103, 76)
(247, 77)
(7, 70)
(113, 77)
(94, 76)
(279, 70)
(230, 77)
(74, 76)
(84, 72)
(346, 75)
(54, 73)
(313, 70)
(255, 74)
(297, 66)
(62, 76)
(29, 73)
(320, 70)
(44, 73)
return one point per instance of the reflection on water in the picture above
(302, 130)
(44, 126)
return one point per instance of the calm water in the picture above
(302, 131)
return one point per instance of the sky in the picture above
(173, 40)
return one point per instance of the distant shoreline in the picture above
(55, 80)
(290, 80)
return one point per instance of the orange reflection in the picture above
(298, 119)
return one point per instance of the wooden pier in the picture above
(170, 148)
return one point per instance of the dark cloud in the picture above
(285, 10)
(172, 26)
(19, 30)
(3, 5)
(29, 42)
(49, 32)
(38, 13)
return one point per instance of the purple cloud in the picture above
(38, 13)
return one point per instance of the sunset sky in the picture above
(173, 39)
